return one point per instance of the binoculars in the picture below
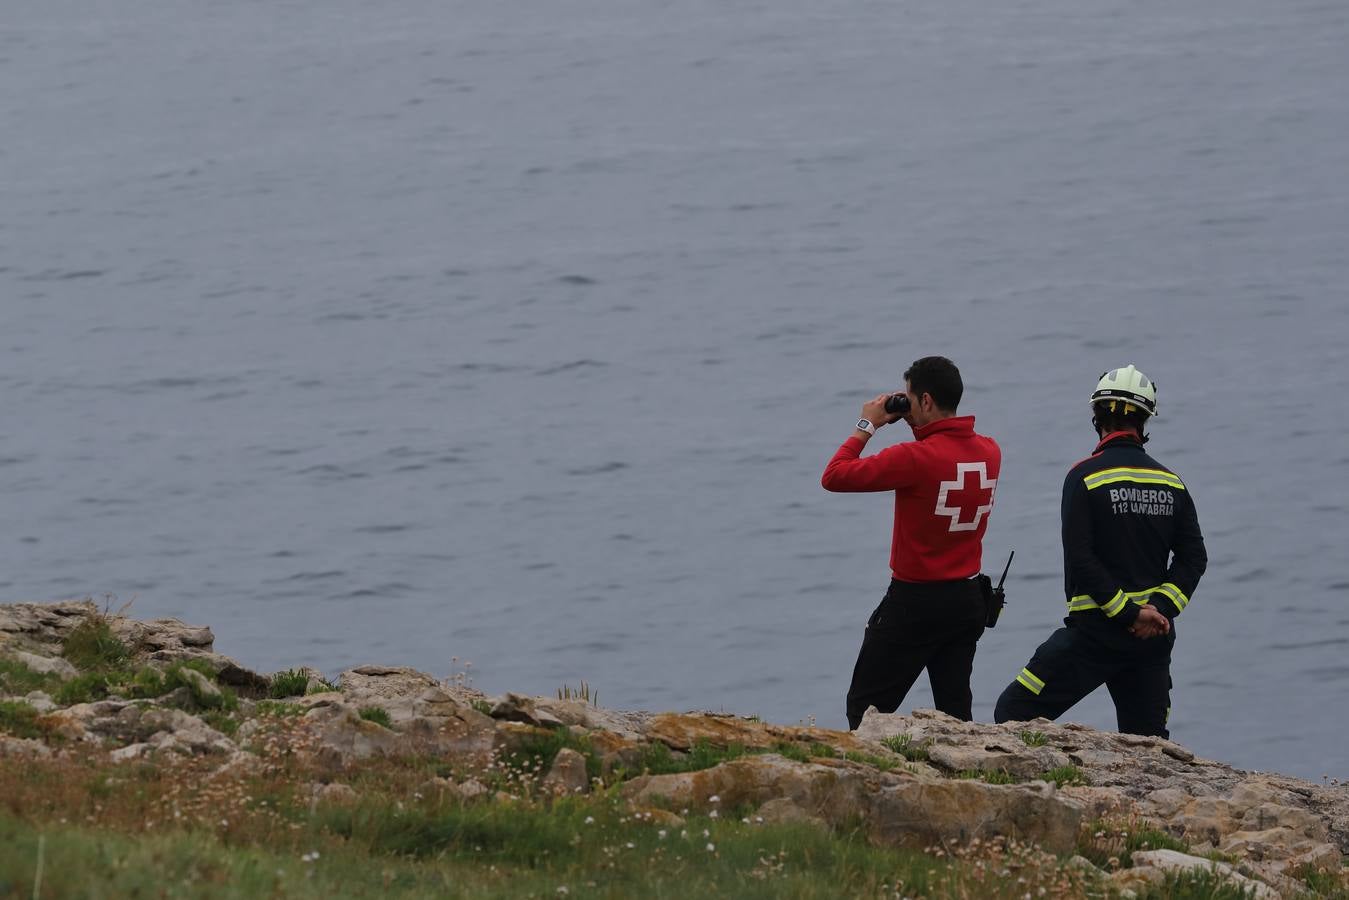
(898, 404)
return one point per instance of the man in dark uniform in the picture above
(1132, 555)
(943, 482)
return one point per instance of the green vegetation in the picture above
(997, 776)
(1198, 885)
(146, 682)
(1111, 845)
(91, 646)
(321, 686)
(1034, 738)
(377, 714)
(881, 763)
(799, 752)
(19, 719)
(223, 722)
(904, 746)
(175, 831)
(482, 706)
(290, 683)
(658, 759)
(17, 678)
(1065, 775)
(277, 709)
(1324, 883)
(84, 688)
(583, 693)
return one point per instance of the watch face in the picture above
(865, 424)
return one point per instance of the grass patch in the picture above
(151, 829)
(524, 766)
(658, 759)
(1063, 776)
(85, 688)
(903, 745)
(221, 721)
(19, 719)
(1323, 882)
(377, 714)
(290, 683)
(17, 678)
(321, 686)
(1034, 738)
(277, 709)
(802, 752)
(1195, 885)
(223, 698)
(91, 646)
(997, 776)
(1111, 845)
(482, 706)
(882, 763)
(583, 693)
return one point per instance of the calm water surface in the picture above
(426, 333)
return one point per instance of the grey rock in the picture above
(519, 708)
(1175, 861)
(203, 689)
(784, 811)
(131, 752)
(46, 665)
(567, 775)
(24, 747)
(332, 794)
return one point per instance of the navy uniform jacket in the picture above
(1130, 537)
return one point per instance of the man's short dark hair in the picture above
(1116, 415)
(938, 376)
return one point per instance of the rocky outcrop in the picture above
(898, 809)
(909, 781)
(1273, 823)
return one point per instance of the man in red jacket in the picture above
(943, 480)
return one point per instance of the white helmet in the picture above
(1129, 385)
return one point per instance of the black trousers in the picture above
(1072, 664)
(931, 626)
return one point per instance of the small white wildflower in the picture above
(711, 847)
(661, 834)
(712, 814)
(758, 820)
(706, 833)
(563, 890)
(631, 845)
(590, 820)
(714, 799)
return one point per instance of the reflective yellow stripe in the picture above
(1082, 601)
(1142, 476)
(1175, 595)
(1116, 603)
(1028, 680)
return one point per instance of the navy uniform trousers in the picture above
(930, 625)
(1073, 662)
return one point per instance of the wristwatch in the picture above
(864, 424)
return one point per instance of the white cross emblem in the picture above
(958, 485)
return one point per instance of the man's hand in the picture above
(1150, 623)
(874, 411)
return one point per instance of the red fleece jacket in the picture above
(944, 483)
